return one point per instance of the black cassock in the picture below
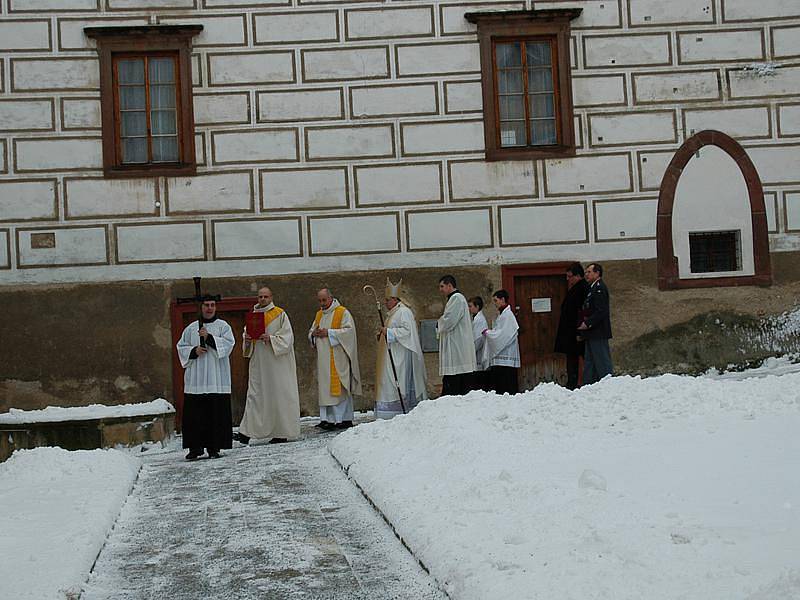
(207, 421)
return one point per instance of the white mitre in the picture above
(392, 289)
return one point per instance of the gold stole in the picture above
(338, 315)
(269, 317)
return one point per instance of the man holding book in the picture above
(272, 409)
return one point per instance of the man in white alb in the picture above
(206, 383)
(400, 337)
(333, 335)
(501, 351)
(272, 409)
(480, 378)
(456, 347)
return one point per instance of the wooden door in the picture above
(537, 292)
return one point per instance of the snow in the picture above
(85, 413)
(56, 510)
(661, 488)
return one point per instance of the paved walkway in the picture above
(269, 521)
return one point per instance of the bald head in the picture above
(264, 296)
(325, 298)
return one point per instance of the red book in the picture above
(254, 321)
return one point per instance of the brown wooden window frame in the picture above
(115, 43)
(525, 26)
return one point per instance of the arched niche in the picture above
(729, 160)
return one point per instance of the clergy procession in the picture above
(473, 355)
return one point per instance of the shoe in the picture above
(344, 425)
(214, 454)
(241, 438)
(278, 441)
(325, 425)
(192, 455)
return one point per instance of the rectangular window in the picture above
(526, 83)
(715, 251)
(526, 97)
(146, 99)
(147, 109)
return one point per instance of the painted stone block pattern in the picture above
(593, 15)
(21, 115)
(786, 41)
(789, 120)
(52, 5)
(451, 229)
(442, 138)
(282, 28)
(80, 113)
(167, 242)
(650, 127)
(357, 234)
(621, 220)
(24, 35)
(600, 90)
(221, 108)
(5, 259)
(30, 75)
(210, 193)
(251, 68)
(28, 200)
(63, 154)
(70, 30)
(658, 12)
(257, 238)
(369, 141)
(652, 166)
(604, 51)
(292, 189)
(88, 198)
(300, 105)
(149, 4)
(747, 10)
(783, 81)
(379, 101)
(398, 184)
(254, 146)
(463, 97)
(708, 46)
(433, 59)
(479, 180)
(739, 123)
(776, 164)
(345, 64)
(608, 173)
(543, 224)
(218, 30)
(68, 246)
(676, 87)
(388, 23)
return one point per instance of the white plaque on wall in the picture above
(540, 305)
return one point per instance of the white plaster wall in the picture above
(543, 224)
(22, 115)
(348, 235)
(624, 219)
(74, 246)
(399, 184)
(87, 198)
(305, 189)
(26, 200)
(711, 196)
(449, 229)
(166, 242)
(257, 238)
(5, 259)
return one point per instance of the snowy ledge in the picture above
(53, 414)
(56, 510)
(660, 488)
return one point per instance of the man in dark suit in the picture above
(596, 327)
(567, 335)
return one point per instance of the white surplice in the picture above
(402, 340)
(209, 373)
(454, 330)
(502, 344)
(272, 409)
(479, 323)
(343, 340)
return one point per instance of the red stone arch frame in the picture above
(668, 276)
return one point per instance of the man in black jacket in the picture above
(567, 334)
(596, 327)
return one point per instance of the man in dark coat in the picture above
(596, 327)
(567, 335)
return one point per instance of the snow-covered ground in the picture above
(56, 510)
(662, 488)
(83, 413)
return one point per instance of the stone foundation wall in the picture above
(71, 345)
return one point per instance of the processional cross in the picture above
(199, 298)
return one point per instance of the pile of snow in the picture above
(56, 510)
(662, 488)
(85, 413)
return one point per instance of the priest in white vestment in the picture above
(272, 409)
(456, 347)
(480, 378)
(400, 336)
(333, 335)
(206, 419)
(501, 349)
